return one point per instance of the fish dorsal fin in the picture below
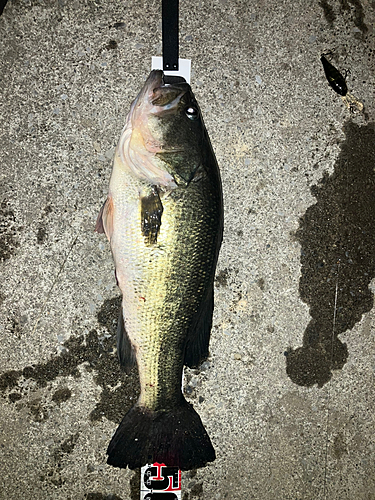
(104, 222)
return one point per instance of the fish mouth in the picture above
(164, 92)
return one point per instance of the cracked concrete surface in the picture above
(287, 400)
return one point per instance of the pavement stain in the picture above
(8, 231)
(98, 355)
(337, 237)
(358, 14)
(112, 44)
(339, 446)
(66, 447)
(54, 473)
(101, 496)
(61, 395)
(353, 7)
(196, 492)
(41, 235)
(221, 278)
(328, 11)
(225, 276)
(134, 483)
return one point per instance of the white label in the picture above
(160, 482)
(184, 66)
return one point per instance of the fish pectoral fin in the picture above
(199, 336)
(151, 212)
(125, 349)
(104, 222)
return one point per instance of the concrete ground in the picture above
(287, 395)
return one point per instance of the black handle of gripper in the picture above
(170, 34)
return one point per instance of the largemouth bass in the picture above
(164, 220)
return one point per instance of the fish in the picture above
(163, 217)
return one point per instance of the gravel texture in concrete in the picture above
(287, 394)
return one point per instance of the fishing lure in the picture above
(338, 83)
(334, 77)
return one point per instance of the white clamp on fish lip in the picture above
(184, 67)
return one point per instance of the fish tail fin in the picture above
(175, 437)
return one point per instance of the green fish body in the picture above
(164, 220)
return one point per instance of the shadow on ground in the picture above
(337, 237)
(98, 355)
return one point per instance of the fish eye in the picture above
(192, 112)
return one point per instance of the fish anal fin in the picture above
(199, 337)
(104, 222)
(125, 349)
(151, 212)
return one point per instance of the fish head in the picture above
(167, 128)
